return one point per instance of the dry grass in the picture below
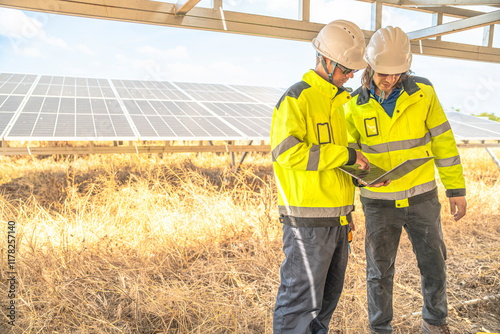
(138, 244)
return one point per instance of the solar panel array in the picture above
(50, 108)
(467, 127)
(67, 108)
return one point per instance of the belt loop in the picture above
(343, 220)
(402, 203)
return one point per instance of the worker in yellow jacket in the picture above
(391, 118)
(308, 142)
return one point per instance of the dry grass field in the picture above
(179, 244)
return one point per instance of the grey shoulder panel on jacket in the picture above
(294, 91)
(364, 95)
(357, 91)
(422, 80)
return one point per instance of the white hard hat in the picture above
(389, 51)
(343, 42)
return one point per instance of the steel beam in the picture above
(488, 35)
(437, 20)
(150, 12)
(376, 23)
(305, 10)
(448, 2)
(446, 10)
(450, 11)
(159, 13)
(455, 50)
(493, 156)
(5, 150)
(184, 6)
(456, 26)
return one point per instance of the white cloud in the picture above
(277, 4)
(16, 24)
(25, 33)
(122, 59)
(178, 52)
(32, 52)
(58, 42)
(229, 70)
(326, 11)
(85, 49)
(407, 20)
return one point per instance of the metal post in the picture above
(494, 157)
(233, 163)
(242, 158)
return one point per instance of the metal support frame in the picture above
(488, 35)
(376, 15)
(243, 156)
(305, 10)
(184, 6)
(437, 19)
(494, 157)
(447, 2)
(185, 14)
(456, 26)
(132, 147)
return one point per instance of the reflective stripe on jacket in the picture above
(308, 142)
(418, 128)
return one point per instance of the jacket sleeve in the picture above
(291, 147)
(445, 149)
(352, 132)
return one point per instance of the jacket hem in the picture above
(392, 203)
(312, 222)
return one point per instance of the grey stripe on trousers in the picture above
(312, 278)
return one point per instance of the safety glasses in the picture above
(345, 70)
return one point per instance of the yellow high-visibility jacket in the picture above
(308, 142)
(418, 128)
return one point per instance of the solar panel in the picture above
(213, 92)
(270, 95)
(178, 120)
(13, 89)
(254, 120)
(134, 89)
(467, 127)
(45, 108)
(71, 118)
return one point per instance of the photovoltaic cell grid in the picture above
(149, 90)
(214, 93)
(13, 89)
(467, 127)
(68, 108)
(169, 111)
(252, 119)
(270, 95)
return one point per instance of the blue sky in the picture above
(43, 43)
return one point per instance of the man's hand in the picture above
(351, 224)
(381, 184)
(361, 160)
(458, 207)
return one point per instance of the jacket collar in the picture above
(409, 86)
(323, 86)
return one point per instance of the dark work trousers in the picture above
(422, 223)
(312, 278)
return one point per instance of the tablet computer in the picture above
(376, 174)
